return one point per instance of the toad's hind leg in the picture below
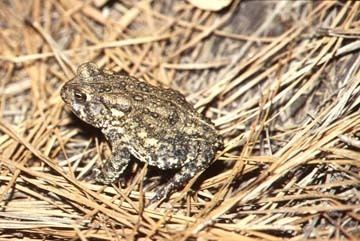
(177, 181)
(189, 170)
(113, 167)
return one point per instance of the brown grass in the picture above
(280, 79)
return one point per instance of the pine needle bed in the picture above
(280, 80)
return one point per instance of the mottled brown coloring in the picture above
(156, 125)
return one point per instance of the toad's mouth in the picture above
(78, 111)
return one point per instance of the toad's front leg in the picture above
(113, 167)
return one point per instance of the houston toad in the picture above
(156, 125)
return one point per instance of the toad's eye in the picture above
(80, 96)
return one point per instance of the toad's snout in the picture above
(65, 94)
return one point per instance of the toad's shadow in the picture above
(87, 131)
